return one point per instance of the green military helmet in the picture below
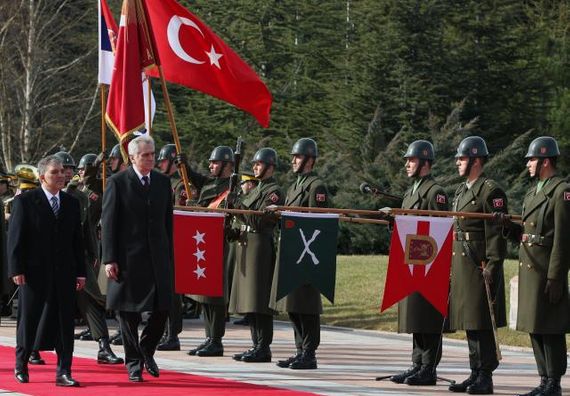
(472, 147)
(266, 155)
(222, 153)
(167, 152)
(87, 160)
(116, 152)
(66, 159)
(421, 149)
(543, 147)
(306, 147)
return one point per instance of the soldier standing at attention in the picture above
(251, 286)
(478, 253)
(415, 314)
(303, 305)
(213, 189)
(543, 305)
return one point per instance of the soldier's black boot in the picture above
(192, 352)
(214, 348)
(462, 386)
(287, 362)
(169, 344)
(538, 390)
(483, 385)
(238, 356)
(400, 378)
(552, 387)
(105, 354)
(307, 361)
(35, 358)
(426, 376)
(258, 355)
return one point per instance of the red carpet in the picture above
(105, 380)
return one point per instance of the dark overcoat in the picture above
(415, 313)
(49, 252)
(469, 308)
(255, 254)
(136, 227)
(306, 299)
(546, 215)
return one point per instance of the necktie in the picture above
(145, 182)
(55, 205)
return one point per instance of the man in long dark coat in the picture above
(415, 314)
(138, 253)
(45, 254)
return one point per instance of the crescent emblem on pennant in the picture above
(173, 31)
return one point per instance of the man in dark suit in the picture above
(138, 253)
(45, 255)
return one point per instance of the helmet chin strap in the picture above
(219, 173)
(537, 170)
(416, 174)
(301, 167)
(469, 166)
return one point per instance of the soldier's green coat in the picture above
(469, 308)
(415, 313)
(311, 192)
(255, 254)
(550, 211)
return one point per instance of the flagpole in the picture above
(149, 114)
(103, 133)
(166, 97)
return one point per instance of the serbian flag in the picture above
(125, 105)
(191, 54)
(199, 253)
(420, 260)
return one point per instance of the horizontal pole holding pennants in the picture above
(443, 213)
(359, 212)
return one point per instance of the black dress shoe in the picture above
(169, 344)
(151, 366)
(286, 363)
(116, 339)
(400, 378)
(538, 390)
(426, 376)
(462, 386)
(258, 355)
(35, 358)
(483, 385)
(307, 361)
(136, 376)
(66, 380)
(238, 356)
(21, 376)
(87, 336)
(214, 348)
(78, 336)
(192, 352)
(105, 354)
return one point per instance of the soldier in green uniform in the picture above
(543, 305)
(90, 301)
(213, 189)
(251, 286)
(415, 314)
(479, 249)
(304, 304)
(116, 162)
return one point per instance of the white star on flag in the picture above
(214, 57)
(199, 237)
(200, 272)
(200, 255)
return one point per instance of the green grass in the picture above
(359, 290)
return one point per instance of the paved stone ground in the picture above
(349, 360)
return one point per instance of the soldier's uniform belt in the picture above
(468, 236)
(247, 228)
(536, 239)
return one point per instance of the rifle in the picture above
(234, 178)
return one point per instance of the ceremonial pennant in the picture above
(199, 253)
(420, 260)
(307, 252)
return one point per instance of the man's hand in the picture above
(79, 284)
(99, 160)
(112, 271)
(180, 160)
(553, 290)
(487, 275)
(19, 279)
(503, 219)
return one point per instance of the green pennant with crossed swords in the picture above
(307, 253)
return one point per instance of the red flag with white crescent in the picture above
(199, 253)
(420, 260)
(191, 54)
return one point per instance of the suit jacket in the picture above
(136, 227)
(49, 252)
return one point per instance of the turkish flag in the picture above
(199, 253)
(125, 104)
(420, 260)
(191, 54)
